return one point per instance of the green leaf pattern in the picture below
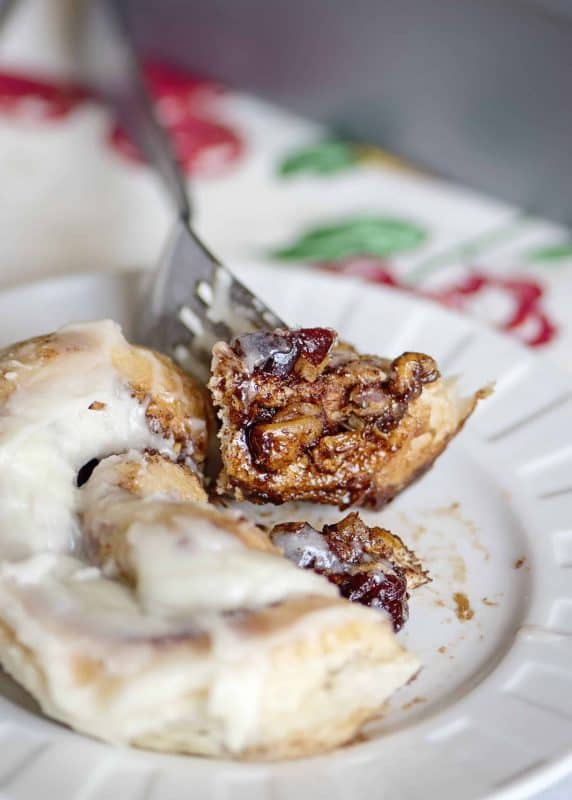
(551, 254)
(324, 158)
(359, 235)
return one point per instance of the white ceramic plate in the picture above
(491, 713)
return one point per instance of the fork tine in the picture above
(193, 302)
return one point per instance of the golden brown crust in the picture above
(175, 401)
(176, 406)
(155, 474)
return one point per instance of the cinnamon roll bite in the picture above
(305, 417)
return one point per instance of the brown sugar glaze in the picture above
(303, 398)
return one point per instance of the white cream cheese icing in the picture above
(184, 562)
(48, 432)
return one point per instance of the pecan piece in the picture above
(281, 441)
(409, 373)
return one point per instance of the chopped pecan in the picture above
(281, 441)
(409, 373)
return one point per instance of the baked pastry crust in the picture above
(131, 609)
(176, 406)
(305, 417)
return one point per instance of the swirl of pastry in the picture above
(130, 608)
(73, 397)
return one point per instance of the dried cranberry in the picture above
(314, 343)
(378, 590)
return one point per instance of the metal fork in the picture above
(193, 300)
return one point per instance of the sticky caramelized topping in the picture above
(309, 392)
(279, 353)
(307, 417)
(369, 565)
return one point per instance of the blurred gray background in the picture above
(477, 91)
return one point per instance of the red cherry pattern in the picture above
(203, 144)
(528, 319)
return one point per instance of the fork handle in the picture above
(111, 67)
